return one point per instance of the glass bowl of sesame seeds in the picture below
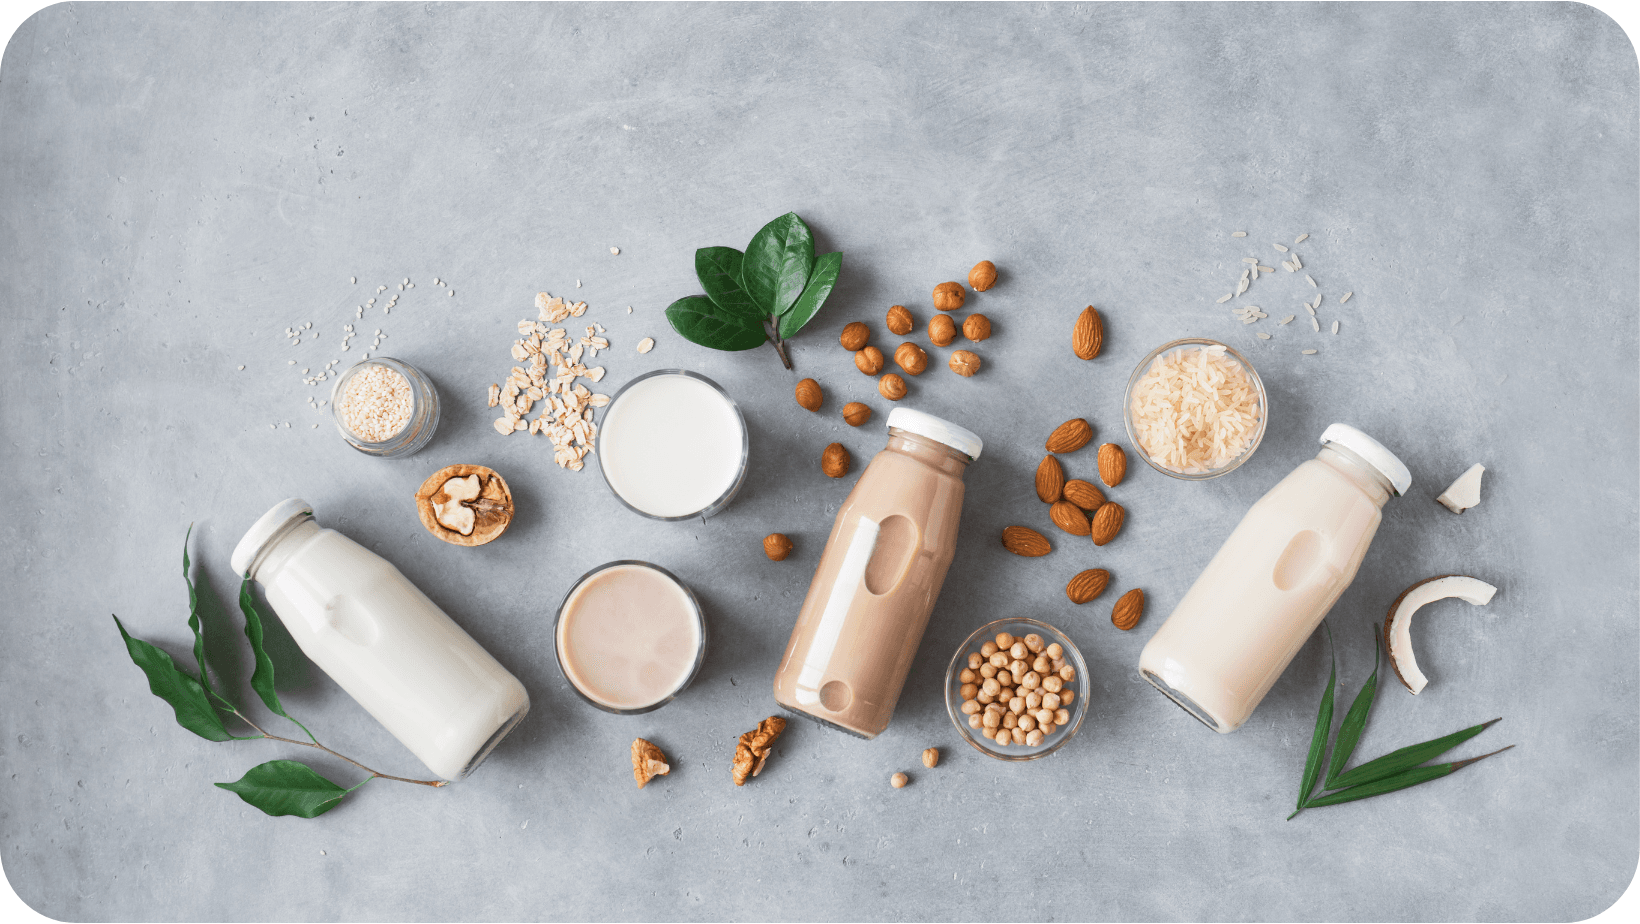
(385, 407)
(1195, 409)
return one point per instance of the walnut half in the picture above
(465, 504)
(754, 746)
(648, 762)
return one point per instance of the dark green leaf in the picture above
(700, 321)
(193, 615)
(172, 684)
(814, 295)
(1400, 780)
(778, 263)
(1355, 721)
(262, 677)
(719, 272)
(1410, 756)
(1318, 740)
(286, 787)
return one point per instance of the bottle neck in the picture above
(1369, 479)
(279, 548)
(929, 452)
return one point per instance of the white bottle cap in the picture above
(1373, 453)
(940, 431)
(272, 524)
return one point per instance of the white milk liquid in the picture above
(670, 445)
(628, 637)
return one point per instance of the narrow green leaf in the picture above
(700, 321)
(1410, 756)
(262, 677)
(778, 263)
(719, 272)
(177, 687)
(1355, 721)
(286, 787)
(1323, 728)
(1401, 780)
(193, 615)
(814, 294)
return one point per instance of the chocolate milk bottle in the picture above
(882, 570)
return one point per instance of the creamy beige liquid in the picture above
(629, 637)
(1267, 589)
(878, 579)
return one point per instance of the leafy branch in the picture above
(764, 295)
(1398, 769)
(278, 787)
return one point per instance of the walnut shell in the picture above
(492, 509)
(855, 413)
(941, 330)
(891, 386)
(855, 336)
(912, 358)
(835, 461)
(869, 360)
(964, 363)
(899, 321)
(983, 275)
(977, 327)
(949, 296)
(809, 395)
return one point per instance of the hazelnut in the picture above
(912, 358)
(808, 395)
(898, 780)
(869, 360)
(899, 321)
(855, 413)
(999, 659)
(949, 296)
(1042, 665)
(942, 330)
(931, 756)
(976, 327)
(1016, 705)
(890, 386)
(777, 546)
(835, 461)
(1027, 722)
(964, 363)
(983, 275)
(1065, 697)
(855, 335)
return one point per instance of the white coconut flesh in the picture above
(1398, 625)
(1465, 492)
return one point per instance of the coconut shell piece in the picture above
(465, 504)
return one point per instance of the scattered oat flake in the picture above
(1280, 247)
(646, 344)
(1308, 352)
(1346, 297)
(1238, 233)
(1301, 239)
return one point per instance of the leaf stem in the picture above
(373, 773)
(772, 331)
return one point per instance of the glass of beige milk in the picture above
(673, 445)
(630, 637)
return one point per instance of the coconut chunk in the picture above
(1465, 492)
(1398, 624)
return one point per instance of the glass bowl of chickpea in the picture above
(1019, 682)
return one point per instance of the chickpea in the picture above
(1031, 680)
(974, 660)
(1052, 683)
(984, 698)
(1056, 651)
(969, 707)
(1062, 717)
(1016, 705)
(1017, 666)
(991, 686)
(1058, 664)
(1004, 640)
(1027, 722)
(1050, 701)
(970, 690)
(1018, 736)
(974, 721)
(988, 732)
(990, 720)
(968, 676)
(898, 780)
(1067, 673)
(1018, 651)
(1009, 720)
(987, 649)
(1047, 728)
(1033, 701)
(1042, 665)
(987, 670)
(1065, 696)
(999, 659)
(1034, 738)
(1034, 643)
(930, 757)
(1044, 716)
(1006, 679)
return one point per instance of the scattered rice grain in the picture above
(1311, 279)
(1264, 336)
(1308, 352)
(1280, 247)
(1346, 297)
(1315, 324)
(1335, 327)
(1252, 260)
(1222, 299)
(1238, 233)
(1301, 239)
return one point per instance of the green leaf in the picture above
(701, 321)
(778, 263)
(1318, 740)
(814, 295)
(175, 686)
(193, 615)
(286, 787)
(719, 272)
(1355, 721)
(1410, 756)
(262, 677)
(1400, 780)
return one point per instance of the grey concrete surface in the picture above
(178, 184)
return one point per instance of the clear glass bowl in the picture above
(745, 446)
(1252, 376)
(700, 650)
(1019, 627)
(423, 411)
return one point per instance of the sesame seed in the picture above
(577, 283)
(353, 279)
(452, 293)
(615, 250)
(290, 362)
(241, 368)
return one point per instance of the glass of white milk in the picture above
(673, 445)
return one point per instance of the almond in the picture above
(1070, 436)
(855, 336)
(1107, 522)
(1050, 480)
(1084, 494)
(1112, 464)
(1087, 585)
(869, 360)
(1089, 334)
(899, 320)
(777, 546)
(941, 330)
(835, 461)
(808, 395)
(912, 358)
(855, 413)
(1022, 540)
(1069, 517)
(1125, 615)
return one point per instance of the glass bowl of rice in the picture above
(1195, 409)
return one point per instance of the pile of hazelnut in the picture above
(1017, 691)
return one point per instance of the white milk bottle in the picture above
(1273, 580)
(382, 640)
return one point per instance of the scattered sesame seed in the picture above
(304, 372)
(615, 250)
(386, 310)
(452, 293)
(628, 309)
(353, 279)
(290, 362)
(273, 426)
(241, 368)
(577, 283)
(315, 426)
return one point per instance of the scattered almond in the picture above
(1089, 334)
(891, 386)
(949, 296)
(912, 358)
(855, 335)
(855, 413)
(1125, 615)
(809, 396)
(1112, 464)
(1022, 540)
(1050, 480)
(983, 275)
(1107, 522)
(1087, 585)
(1084, 494)
(1069, 517)
(1070, 436)
(963, 363)
(835, 462)
(976, 327)
(869, 360)
(899, 321)
(777, 546)
(941, 330)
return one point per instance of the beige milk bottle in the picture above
(1273, 580)
(380, 638)
(878, 578)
